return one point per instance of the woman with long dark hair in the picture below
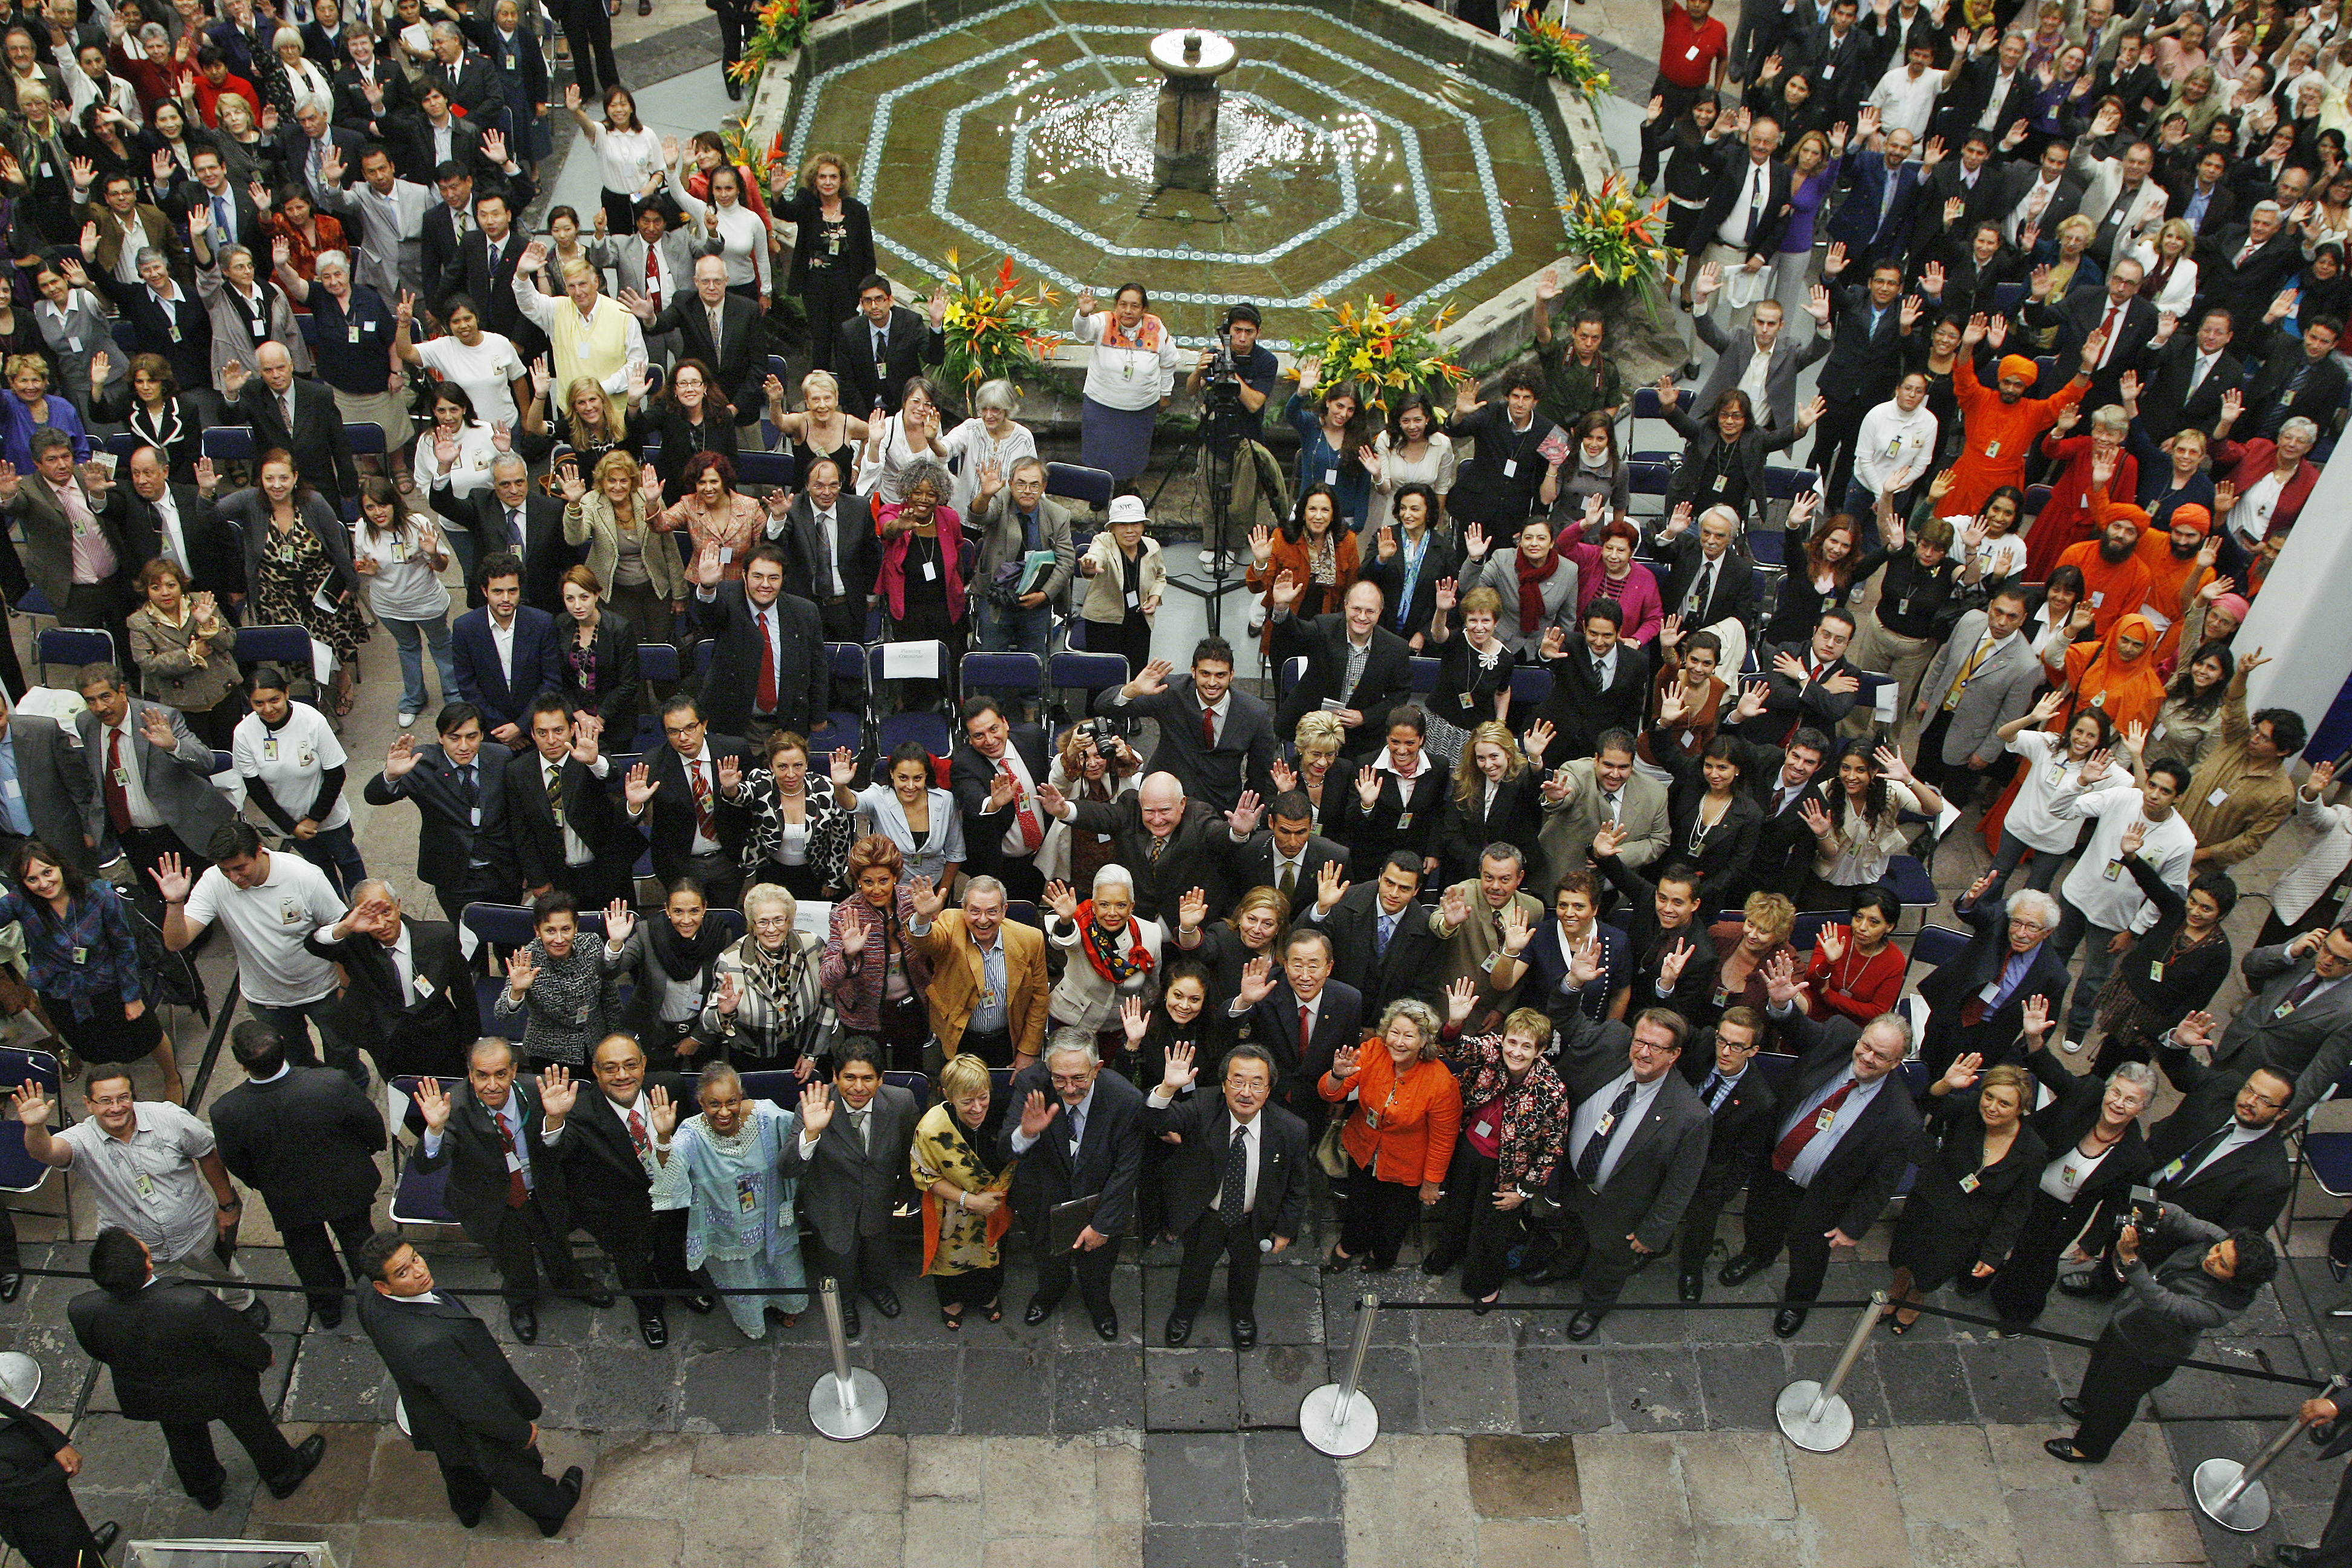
(1313, 549)
(672, 959)
(1822, 567)
(1334, 443)
(692, 416)
(1860, 828)
(83, 958)
(1411, 450)
(2190, 719)
(833, 250)
(402, 554)
(1723, 451)
(1693, 145)
(628, 156)
(298, 555)
(1410, 561)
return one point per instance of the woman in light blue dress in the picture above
(741, 1223)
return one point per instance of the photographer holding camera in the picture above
(2202, 1275)
(1236, 379)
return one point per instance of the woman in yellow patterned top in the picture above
(965, 1215)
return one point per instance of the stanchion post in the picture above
(1339, 1418)
(848, 1402)
(1815, 1415)
(2228, 1491)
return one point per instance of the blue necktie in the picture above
(1388, 928)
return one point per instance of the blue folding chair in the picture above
(1424, 674)
(1909, 880)
(125, 442)
(1073, 481)
(1788, 484)
(72, 647)
(1024, 912)
(1531, 687)
(1087, 672)
(229, 444)
(2036, 498)
(1292, 668)
(418, 1196)
(842, 726)
(1767, 545)
(1012, 672)
(774, 469)
(658, 661)
(1936, 946)
(367, 439)
(20, 1172)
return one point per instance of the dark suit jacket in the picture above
(2079, 317)
(1977, 86)
(216, 563)
(730, 685)
(1108, 1160)
(353, 114)
(2250, 1186)
(1386, 682)
(911, 344)
(47, 556)
(2245, 290)
(1787, 705)
(1784, 845)
(1191, 860)
(2073, 1110)
(30, 1477)
(2312, 1044)
(483, 681)
(1403, 817)
(1514, 816)
(1693, 992)
(446, 841)
(525, 829)
(1243, 757)
(1581, 710)
(545, 556)
(1663, 1158)
(464, 1401)
(1193, 1169)
(180, 329)
(615, 645)
(1850, 1189)
(411, 1032)
(465, 265)
(306, 1141)
(1771, 223)
(1251, 865)
(319, 442)
(177, 1352)
(1948, 990)
(601, 1172)
(2167, 406)
(856, 558)
(968, 776)
(847, 1191)
(740, 360)
(2269, 392)
(476, 1163)
(1413, 965)
(1742, 1126)
(1865, 363)
(472, 84)
(668, 819)
(60, 791)
(1984, 201)
(1859, 225)
(1274, 1024)
(1732, 597)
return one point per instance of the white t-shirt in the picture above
(2099, 885)
(486, 371)
(267, 925)
(2047, 770)
(291, 759)
(404, 587)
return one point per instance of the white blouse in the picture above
(470, 473)
(627, 159)
(1127, 378)
(970, 442)
(742, 237)
(1434, 467)
(404, 587)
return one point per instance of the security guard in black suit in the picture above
(38, 1516)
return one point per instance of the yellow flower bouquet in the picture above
(995, 325)
(1382, 347)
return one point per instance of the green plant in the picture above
(778, 29)
(1562, 54)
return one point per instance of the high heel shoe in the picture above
(952, 1321)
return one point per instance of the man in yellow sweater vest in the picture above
(593, 337)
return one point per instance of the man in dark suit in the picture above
(46, 791)
(1740, 1109)
(552, 819)
(180, 523)
(464, 1403)
(306, 1139)
(1837, 56)
(2038, 196)
(1748, 208)
(2307, 380)
(1334, 646)
(452, 784)
(1809, 687)
(506, 1184)
(994, 770)
(2183, 379)
(827, 549)
(1707, 580)
(2297, 1019)
(1301, 1017)
(1972, 181)
(1976, 1002)
(1840, 1144)
(1218, 739)
(1384, 948)
(219, 207)
(768, 667)
(885, 346)
(184, 1361)
(85, 571)
(511, 516)
(176, 811)
(38, 1515)
(2128, 320)
(1288, 856)
(1166, 842)
(1237, 1182)
(1873, 221)
(480, 263)
(2241, 268)
(1785, 778)
(499, 680)
(305, 140)
(721, 329)
(679, 797)
(851, 1158)
(1636, 1146)
(465, 75)
(2198, 192)
(1864, 367)
(1993, 92)
(315, 434)
(1597, 687)
(409, 989)
(2221, 1155)
(1078, 1135)
(606, 1145)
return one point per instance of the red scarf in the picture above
(1531, 581)
(1103, 953)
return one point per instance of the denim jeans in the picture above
(2076, 931)
(334, 851)
(411, 637)
(1018, 631)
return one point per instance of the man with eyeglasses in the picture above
(686, 798)
(1078, 1136)
(1977, 1001)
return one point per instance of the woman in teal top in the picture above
(741, 1223)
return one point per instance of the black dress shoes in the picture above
(209, 1502)
(850, 1326)
(1245, 1332)
(600, 1299)
(327, 1312)
(107, 1534)
(2063, 1448)
(1436, 1264)
(257, 1315)
(1108, 1325)
(701, 1306)
(306, 1455)
(1180, 1328)
(1583, 1325)
(1787, 1320)
(2071, 1407)
(1737, 1270)
(12, 1285)
(2287, 1555)
(524, 1320)
(1692, 1286)
(571, 1481)
(1039, 1309)
(884, 1300)
(655, 1327)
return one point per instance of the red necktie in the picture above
(1208, 729)
(118, 799)
(1784, 1153)
(1306, 1029)
(765, 702)
(637, 1131)
(2107, 330)
(1032, 832)
(652, 278)
(517, 1193)
(704, 823)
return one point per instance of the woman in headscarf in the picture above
(2117, 676)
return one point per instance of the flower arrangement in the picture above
(778, 28)
(1619, 232)
(1562, 54)
(995, 325)
(1384, 347)
(761, 164)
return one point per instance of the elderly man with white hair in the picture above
(356, 335)
(1173, 843)
(1078, 1136)
(590, 335)
(1976, 1000)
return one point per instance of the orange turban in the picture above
(2191, 516)
(2020, 366)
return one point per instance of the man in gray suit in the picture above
(151, 778)
(1983, 676)
(1771, 387)
(850, 1157)
(74, 550)
(673, 254)
(2298, 1020)
(1636, 1148)
(1604, 787)
(46, 793)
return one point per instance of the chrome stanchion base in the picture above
(847, 1420)
(2245, 1513)
(1825, 1433)
(1326, 1429)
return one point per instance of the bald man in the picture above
(1168, 841)
(300, 415)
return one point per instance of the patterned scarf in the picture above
(1102, 950)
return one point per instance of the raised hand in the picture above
(432, 1104)
(2036, 1019)
(620, 920)
(664, 1108)
(816, 1109)
(1244, 817)
(1286, 590)
(1368, 787)
(1964, 1069)
(1037, 1114)
(1670, 966)
(1607, 839)
(155, 728)
(558, 1092)
(1833, 942)
(929, 902)
(1191, 909)
(1179, 1072)
(520, 972)
(171, 879)
(1344, 1062)
(1062, 899)
(1329, 888)
(1461, 1001)
(1256, 982)
(1539, 738)
(1586, 961)
(729, 994)
(32, 1104)
(843, 768)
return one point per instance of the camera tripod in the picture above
(1201, 454)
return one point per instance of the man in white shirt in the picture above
(269, 902)
(1236, 1182)
(573, 333)
(1906, 95)
(2099, 900)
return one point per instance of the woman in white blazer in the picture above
(2298, 898)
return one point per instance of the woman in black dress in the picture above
(1473, 670)
(833, 250)
(1254, 929)
(597, 649)
(1496, 799)
(1182, 1016)
(691, 416)
(1977, 1163)
(1697, 149)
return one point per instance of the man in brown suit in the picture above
(988, 985)
(127, 225)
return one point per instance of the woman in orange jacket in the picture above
(1399, 1139)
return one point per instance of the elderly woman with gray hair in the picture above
(742, 1222)
(1399, 1137)
(2266, 482)
(245, 309)
(767, 999)
(1113, 956)
(355, 346)
(991, 435)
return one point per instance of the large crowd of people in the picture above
(1546, 910)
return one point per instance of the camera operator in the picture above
(1236, 377)
(1091, 762)
(2202, 1275)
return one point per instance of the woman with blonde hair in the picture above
(644, 580)
(821, 430)
(590, 421)
(2168, 267)
(1317, 741)
(833, 251)
(1496, 798)
(964, 1184)
(1979, 1165)
(1399, 1138)
(1745, 949)
(1253, 931)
